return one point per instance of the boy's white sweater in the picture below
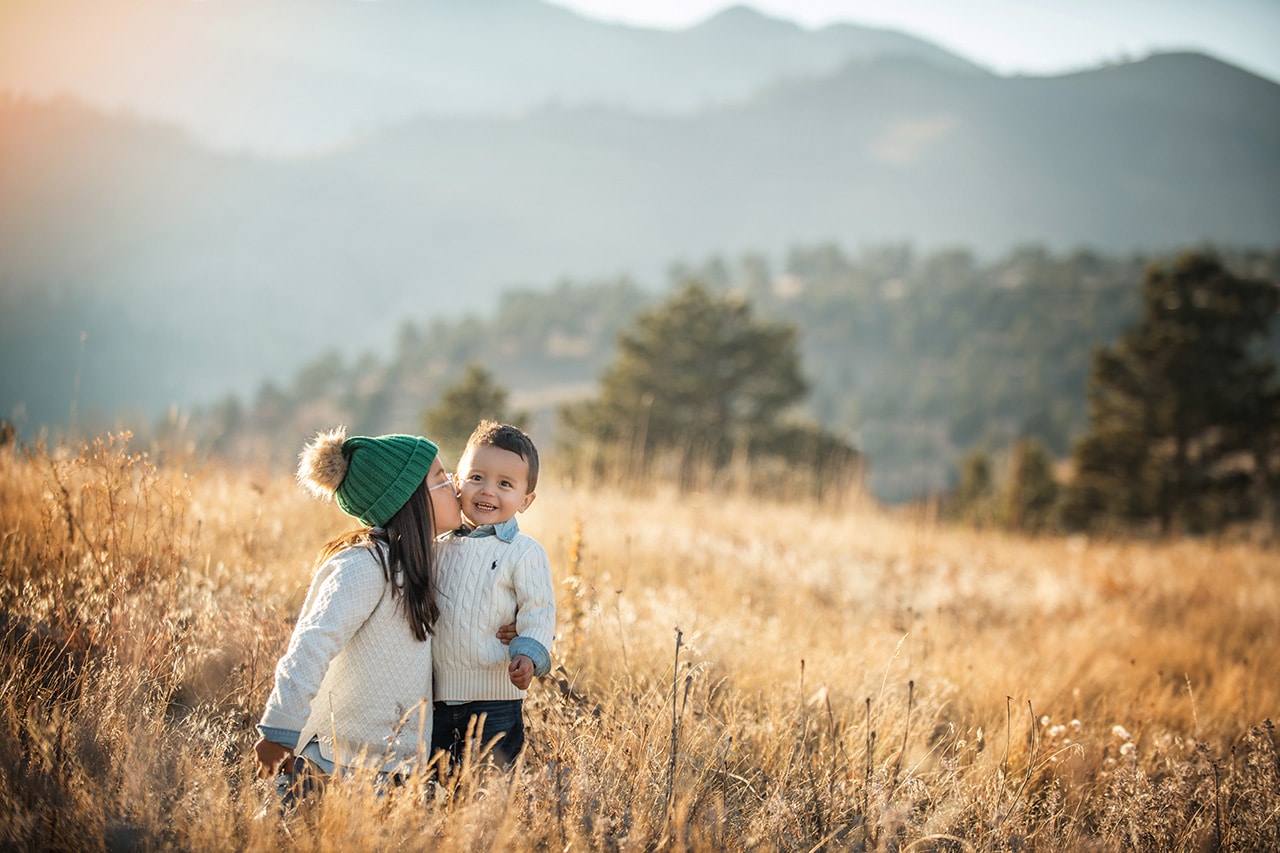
(482, 584)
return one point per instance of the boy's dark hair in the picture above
(507, 437)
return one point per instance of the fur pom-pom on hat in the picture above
(322, 465)
(369, 477)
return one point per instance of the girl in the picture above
(353, 690)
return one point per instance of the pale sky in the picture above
(1015, 36)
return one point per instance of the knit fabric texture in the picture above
(354, 676)
(482, 584)
(382, 473)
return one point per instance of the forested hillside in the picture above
(914, 358)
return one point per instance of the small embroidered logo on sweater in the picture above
(494, 567)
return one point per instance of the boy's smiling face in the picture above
(493, 484)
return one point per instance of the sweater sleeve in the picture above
(535, 607)
(345, 591)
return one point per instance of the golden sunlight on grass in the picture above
(731, 673)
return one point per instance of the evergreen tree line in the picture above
(1184, 419)
(911, 365)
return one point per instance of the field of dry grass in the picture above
(732, 673)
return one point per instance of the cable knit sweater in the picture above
(354, 676)
(484, 582)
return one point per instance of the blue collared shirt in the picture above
(506, 530)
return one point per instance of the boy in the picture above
(491, 574)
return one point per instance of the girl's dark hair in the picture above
(410, 567)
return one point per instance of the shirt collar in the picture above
(506, 530)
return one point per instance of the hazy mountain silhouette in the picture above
(305, 74)
(194, 272)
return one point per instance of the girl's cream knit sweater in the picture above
(354, 676)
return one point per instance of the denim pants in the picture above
(298, 779)
(505, 717)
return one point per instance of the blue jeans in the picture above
(298, 779)
(506, 717)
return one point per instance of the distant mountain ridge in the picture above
(306, 75)
(196, 272)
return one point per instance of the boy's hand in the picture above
(507, 633)
(521, 671)
(270, 755)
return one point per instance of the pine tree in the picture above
(697, 381)
(1032, 491)
(1182, 412)
(474, 397)
(974, 498)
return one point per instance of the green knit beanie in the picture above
(382, 473)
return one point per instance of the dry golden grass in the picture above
(732, 674)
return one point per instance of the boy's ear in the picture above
(528, 500)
